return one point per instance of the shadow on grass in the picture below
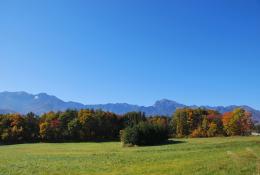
(174, 142)
(168, 142)
(98, 140)
(101, 140)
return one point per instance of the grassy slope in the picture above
(234, 156)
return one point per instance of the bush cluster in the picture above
(257, 128)
(144, 133)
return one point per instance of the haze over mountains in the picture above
(24, 102)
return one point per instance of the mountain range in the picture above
(24, 102)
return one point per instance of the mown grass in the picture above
(233, 155)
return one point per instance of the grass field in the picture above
(234, 156)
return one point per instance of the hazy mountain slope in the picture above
(6, 111)
(23, 102)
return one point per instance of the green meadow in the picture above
(220, 155)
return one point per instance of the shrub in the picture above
(144, 134)
(257, 128)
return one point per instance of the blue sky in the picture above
(137, 51)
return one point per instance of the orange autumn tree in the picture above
(246, 123)
(225, 120)
(215, 126)
(237, 122)
(159, 120)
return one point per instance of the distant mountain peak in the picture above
(43, 94)
(167, 103)
(164, 100)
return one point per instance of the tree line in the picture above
(210, 123)
(133, 127)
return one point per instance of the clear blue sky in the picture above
(137, 51)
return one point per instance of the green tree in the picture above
(31, 127)
(133, 118)
(181, 119)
